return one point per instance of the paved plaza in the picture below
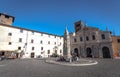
(38, 68)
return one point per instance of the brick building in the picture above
(116, 45)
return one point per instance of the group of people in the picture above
(73, 58)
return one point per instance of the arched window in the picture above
(75, 40)
(87, 38)
(103, 36)
(93, 37)
(81, 39)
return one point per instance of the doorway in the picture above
(106, 52)
(89, 52)
(32, 55)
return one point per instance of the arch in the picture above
(106, 52)
(76, 52)
(89, 52)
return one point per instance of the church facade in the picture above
(90, 42)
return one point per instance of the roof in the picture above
(28, 29)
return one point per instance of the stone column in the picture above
(67, 52)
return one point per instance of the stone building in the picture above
(116, 46)
(26, 43)
(90, 42)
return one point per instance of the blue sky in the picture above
(51, 16)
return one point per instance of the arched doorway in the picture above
(89, 52)
(32, 55)
(76, 52)
(106, 52)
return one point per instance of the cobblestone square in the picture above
(38, 68)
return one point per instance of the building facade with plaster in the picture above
(26, 43)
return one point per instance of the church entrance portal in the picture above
(106, 52)
(89, 52)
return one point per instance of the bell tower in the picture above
(6, 19)
(78, 25)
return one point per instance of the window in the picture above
(60, 43)
(41, 52)
(19, 48)
(55, 36)
(118, 40)
(33, 48)
(75, 40)
(87, 38)
(32, 41)
(93, 37)
(60, 51)
(77, 25)
(41, 48)
(6, 16)
(9, 34)
(21, 30)
(41, 42)
(9, 43)
(48, 42)
(110, 32)
(20, 39)
(55, 43)
(32, 33)
(25, 43)
(48, 51)
(81, 39)
(1, 21)
(41, 34)
(48, 35)
(103, 36)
